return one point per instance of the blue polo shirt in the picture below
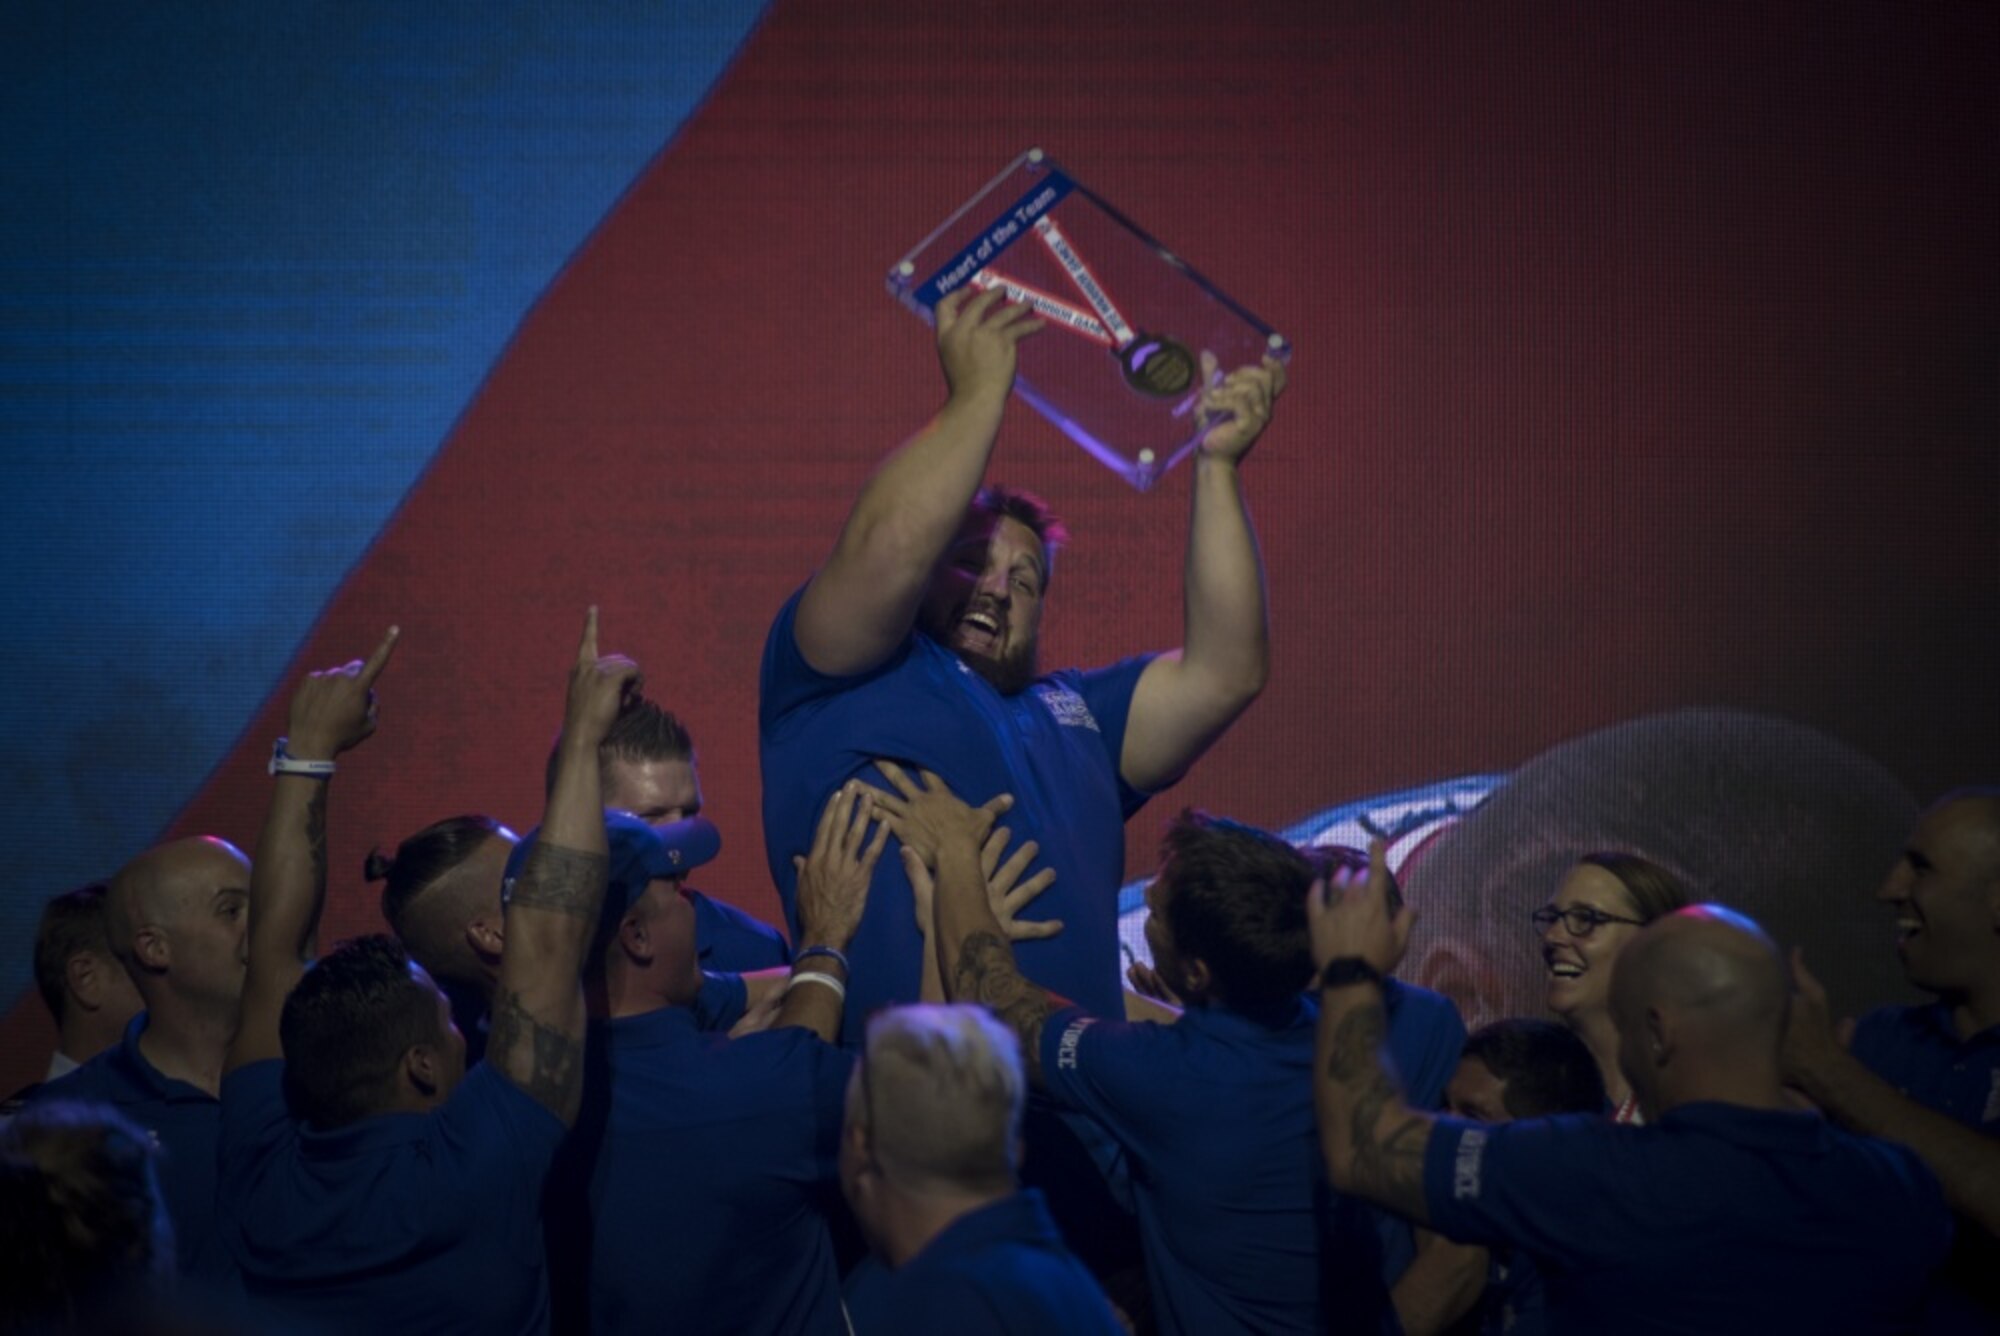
(1000, 1270)
(1240, 1229)
(1717, 1219)
(418, 1222)
(694, 1191)
(1916, 1050)
(727, 939)
(1054, 745)
(183, 1120)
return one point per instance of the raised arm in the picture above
(833, 890)
(862, 603)
(331, 712)
(1373, 1140)
(975, 958)
(536, 1040)
(1965, 1162)
(1184, 700)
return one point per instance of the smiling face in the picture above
(985, 601)
(1578, 966)
(1945, 892)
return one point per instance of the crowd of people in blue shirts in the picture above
(564, 1091)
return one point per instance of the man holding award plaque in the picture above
(916, 641)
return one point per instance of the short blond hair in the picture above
(940, 1090)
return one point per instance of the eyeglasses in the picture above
(1579, 920)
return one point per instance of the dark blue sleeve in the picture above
(721, 1002)
(1108, 693)
(786, 681)
(1553, 1186)
(1108, 1069)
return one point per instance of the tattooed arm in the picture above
(1374, 1141)
(330, 713)
(974, 956)
(536, 1034)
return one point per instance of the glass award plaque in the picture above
(1119, 368)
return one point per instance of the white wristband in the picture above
(814, 976)
(282, 764)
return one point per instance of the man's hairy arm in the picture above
(1185, 700)
(537, 1032)
(862, 603)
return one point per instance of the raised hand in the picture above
(600, 686)
(335, 709)
(833, 878)
(1239, 406)
(1350, 914)
(977, 338)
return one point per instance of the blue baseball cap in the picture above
(639, 854)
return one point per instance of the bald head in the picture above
(1700, 998)
(176, 915)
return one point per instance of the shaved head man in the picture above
(1929, 1075)
(1729, 1211)
(1701, 1005)
(176, 917)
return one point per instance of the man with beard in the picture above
(916, 641)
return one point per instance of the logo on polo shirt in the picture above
(1465, 1170)
(1067, 707)
(1066, 1048)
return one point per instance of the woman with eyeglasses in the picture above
(1599, 905)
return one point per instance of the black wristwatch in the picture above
(1349, 969)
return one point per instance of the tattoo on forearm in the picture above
(544, 1061)
(986, 973)
(1388, 1149)
(563, 881)
(316, 834)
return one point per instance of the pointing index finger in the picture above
(587, 651)
(380, 658)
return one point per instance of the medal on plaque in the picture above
(1120, 369)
